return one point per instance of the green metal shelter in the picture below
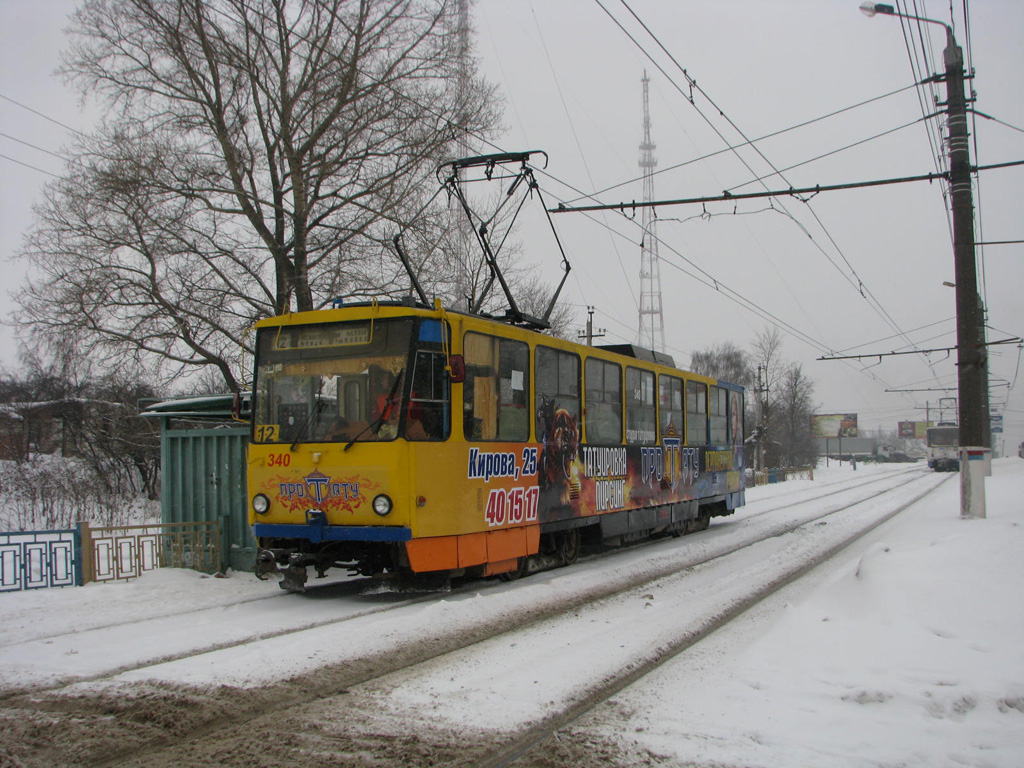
(203, 470)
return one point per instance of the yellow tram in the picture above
(400, 438)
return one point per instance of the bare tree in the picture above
(728, 362)
(766, 358)
(767, 363)
(779, 397)
(793, 407)
(725, 361)
(784, 398)
(254, 157)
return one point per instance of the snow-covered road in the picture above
(238, 631)
(491, 658)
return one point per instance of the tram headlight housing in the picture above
(382, 505)
(260, 504)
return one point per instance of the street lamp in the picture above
(970, 330)
(870, 9)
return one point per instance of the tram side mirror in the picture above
(241, 406)
(457, 364)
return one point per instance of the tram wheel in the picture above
(569, 546)
(515, 573)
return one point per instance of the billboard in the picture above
(914, 430)
(834, 425)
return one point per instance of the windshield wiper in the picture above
(385, 413)
(313, 415)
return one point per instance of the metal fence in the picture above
(41, 559)
(781, 475)
(127, 551)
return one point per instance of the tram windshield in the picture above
(943, 437)
(330, 382)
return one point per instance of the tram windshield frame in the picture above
(331, 382)
(943, 437)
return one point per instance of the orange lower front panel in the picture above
(446, 553)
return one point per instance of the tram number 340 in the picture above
(512, 506)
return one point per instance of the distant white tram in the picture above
(944, 448)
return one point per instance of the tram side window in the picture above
(670, 399)
(558, 397)
(427, 418)
(736, 417)
(496, 393)
(718, 415)
(640, 414)
(696, 413)
(604, 402)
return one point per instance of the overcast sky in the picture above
(849, 272)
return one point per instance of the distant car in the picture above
(901, 458)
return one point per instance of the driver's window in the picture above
(428, 417)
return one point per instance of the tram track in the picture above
(403, 654)
(535, 737)
(629, 669)
(661, 652)
(844, 486)
(351, 588)
(65, 643)
(504, 749)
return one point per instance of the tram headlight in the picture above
(382, 505)
(260, 504)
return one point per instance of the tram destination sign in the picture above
(317, 336)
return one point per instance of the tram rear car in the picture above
(390, 439)
(944, 448)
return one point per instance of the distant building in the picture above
(43, 427)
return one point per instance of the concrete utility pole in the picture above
(971, 352)
(589, 334)
(763, 404)
(972, 355)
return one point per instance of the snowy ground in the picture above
(906, 650)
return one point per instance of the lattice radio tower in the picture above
(651, 333)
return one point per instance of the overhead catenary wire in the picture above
(920, 68)
(714, 283)
(27, 165)
(217, 10)
(731, 148)
(579, 147)
(35, 146)
(756, 139)
(41, 114)
(32, 146)
(980, 222)
(856, 280)
(864, 290)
